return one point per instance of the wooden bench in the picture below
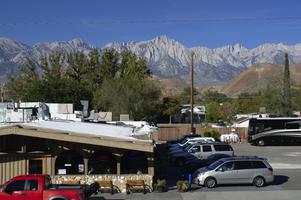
(71, 182)
(135, 184)
(106, 185)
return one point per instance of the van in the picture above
(235, 170)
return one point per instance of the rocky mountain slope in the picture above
(166, 57)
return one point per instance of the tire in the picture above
(261, 143)
(259, 181)
(210, 182)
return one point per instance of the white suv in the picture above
(202, 151)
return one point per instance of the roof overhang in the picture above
(23, 130)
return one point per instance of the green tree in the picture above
(185, 95)
(212, 95)
(132, 67)
(110, 64)
(77, 66)
(94, 75)
(171, 105)
(287, 97)
(228, 111)
(213, 111)
(138, 98)
(27, 85)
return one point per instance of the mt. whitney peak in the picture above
(165, 57)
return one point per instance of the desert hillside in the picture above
(258, 76)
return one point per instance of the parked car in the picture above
(192, 165)
(190, 140)
(190, 135)
(39, 187)
(204, 150)
(200, 151)
(235, 170)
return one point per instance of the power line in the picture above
(152, 21)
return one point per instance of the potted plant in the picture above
(182, 185)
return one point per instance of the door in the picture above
(225, 174)
(206, 151)
(244, 170)
(16, 190)
(35, 166)
(32, 190)
(196, 151)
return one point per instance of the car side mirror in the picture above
(221, 169)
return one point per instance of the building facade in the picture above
(83, 152)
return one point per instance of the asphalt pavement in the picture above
(285, 160)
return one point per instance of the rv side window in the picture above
(259, 128)
(292, 126)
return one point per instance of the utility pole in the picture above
(192, 129)
(2, 93)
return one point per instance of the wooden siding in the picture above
(175, 132)
(11, 166)
(15, 165)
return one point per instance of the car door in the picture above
(206, 151)
(225, 173)
(244, 171)
(196, 151)
(32, 190)
(16, 190)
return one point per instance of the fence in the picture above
(172, 132)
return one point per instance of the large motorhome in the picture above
(276, 131)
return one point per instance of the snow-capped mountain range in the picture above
(166, 57)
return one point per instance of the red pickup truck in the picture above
(39, 187)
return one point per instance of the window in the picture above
(258, 164)
(207, 148)
(33, 185)
(240, 165)
(223, 148)
(133, 162)
(47, 182)
(102, 162)
(69, 162)
(195, 149)
(227, 166)
(17, 185)
(35, 166)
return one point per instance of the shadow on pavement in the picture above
(280, 179)
(101, 198)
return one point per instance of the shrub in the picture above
(207, 134)
(215, 134)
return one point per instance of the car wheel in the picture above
(261, 143)
(259, 181)
(210, 182)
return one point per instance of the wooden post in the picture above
(192, 130)
(118, 159)
(86, 161)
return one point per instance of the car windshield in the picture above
(215, 165)
(188, 147)
(185, 145)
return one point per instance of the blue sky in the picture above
(210, 23)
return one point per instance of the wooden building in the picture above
(64, 148)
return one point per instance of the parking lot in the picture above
(285, 160)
